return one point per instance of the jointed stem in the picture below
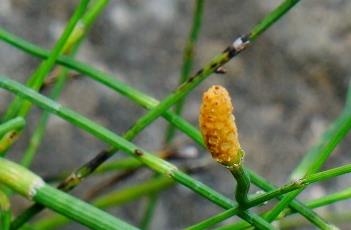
(33, 187)
(293, 186)
(243, 184)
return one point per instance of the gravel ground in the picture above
(287, 87)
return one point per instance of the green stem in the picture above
(330, 199)
(5, 211)
(323, 201)
(243, 184)
(33, 187)
(255, 220)
(188, 55)
(5, 219)
(78, 210)
(281, 10)
(296, 222)
(298, 184)
(15, 123)
(316, 203)
(149, 212)
(10, 137)
(112, 199)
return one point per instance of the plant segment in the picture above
(33, 187)
(217, 124)
(290, 1)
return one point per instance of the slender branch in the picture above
(33, 187)
(5, 211)
(260, 199)
(15, 123)
(316, 203)
(281, 10)
(6, 128)
(112, 199)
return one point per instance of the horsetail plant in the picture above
(220, 137)
(238, 45)
(217, 124)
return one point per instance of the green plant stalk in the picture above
(243, 184)
(155, 163)
(188, 55)
(295, 204)
(112, 199)
(255, 220)
(15, 123)
(5, 211)
(127, 163)
(296, 222)
(276, 14)
(316, 203)
(6, 128)
(323, 201)
(21, 108)
(108, 81)
(120, 164)
(5, 219)
(33, 187)
(296, 185)
(71, 47)
(78, 210)
(149, 212)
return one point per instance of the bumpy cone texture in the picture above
(217, 125)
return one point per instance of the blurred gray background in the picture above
(287, 88)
